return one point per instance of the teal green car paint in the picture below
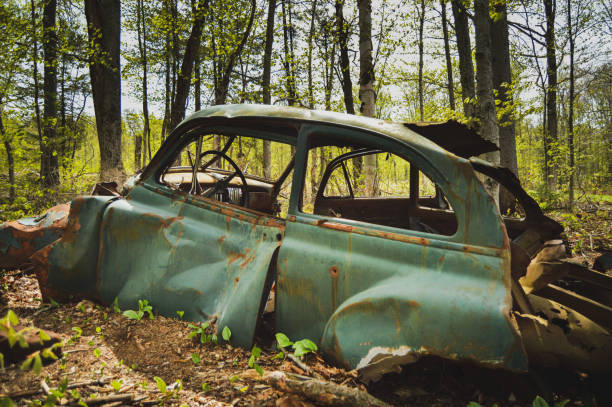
(354, 288)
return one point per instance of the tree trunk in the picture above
(502, 83)
(466, 67)
(223, 81)
(265, 83)
(288, 62)
(311, 34)
(35, 73)
(184, 78)
(142, 47)
(367, 95)
(570, 120)
(485, 106)
(447, 55)
(342, 40)
(104, 29)
(49, 167)
(421, 17)
(551, 98)
(9, 158)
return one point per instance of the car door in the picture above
(362, 290)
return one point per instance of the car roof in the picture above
(393, 130)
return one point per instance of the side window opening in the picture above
(374, 186)
(230, 168)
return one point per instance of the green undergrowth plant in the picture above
(537, 402)
(14, 337)
(255, 355)
(169, 392)
(143, 306)
(300, 348)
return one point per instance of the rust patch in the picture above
(247, 260)
(334, 272)
(236, 280)
(233, 256)
(221, 239)
(337, 226)
(414, 303)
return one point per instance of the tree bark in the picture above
(447, 55)
(311, 34)
(466, 67)
(104, 29)
(485, 106)
(49, 165)
(342, 40)
(502, 83)
(551, 98)
(267, 68)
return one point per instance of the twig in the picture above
(108, 399)
(303, 366)
(25, 393)
(322, 392)
(45, 387)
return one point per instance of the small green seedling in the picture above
(116, 306)
(255, 354)
(195, 358)
(180, 314)
(300, 348)
(117, 384)
(226, 334)
(205, 387)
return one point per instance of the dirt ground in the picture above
(115, 356)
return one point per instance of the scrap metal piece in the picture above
(20, 239)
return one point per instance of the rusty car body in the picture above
(376, 281)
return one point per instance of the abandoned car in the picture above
(377, 240)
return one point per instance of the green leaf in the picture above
(233, 379)
(256, 351)
(304, 346)
(251, 361)
(6, 402)
(1, 361)
(279, 355)
(258, 369)
(226, 334)
(43, 336)
(97, 352)
(205, 387)
(282, 340)
(561, 403)
(180, 314)
(78, 330)
(539, 402)
(12, 318)
(116, 385)
(131, 314)
(26, 364)
(161, 384)
(474, 404)
(195, 357)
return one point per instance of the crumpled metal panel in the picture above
(21, 238)
(201, 257)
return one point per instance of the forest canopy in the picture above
(90, 89)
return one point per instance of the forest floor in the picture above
(115, 356)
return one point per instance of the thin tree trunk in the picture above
(421, 17)
(142, 46)
(502, 82)
(289, 74)
(49, 167)
(485, 107)
(9, 158)
(570, 121)
(225, 76)
(35, 73)
(267, 68)
(104, 29)
(551, 107)
(449, 65)
(184, 79)
(342, 40)
(311, 34)
(367, 95)
(466, 67)
(167, 92)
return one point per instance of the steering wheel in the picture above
(222, 184)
